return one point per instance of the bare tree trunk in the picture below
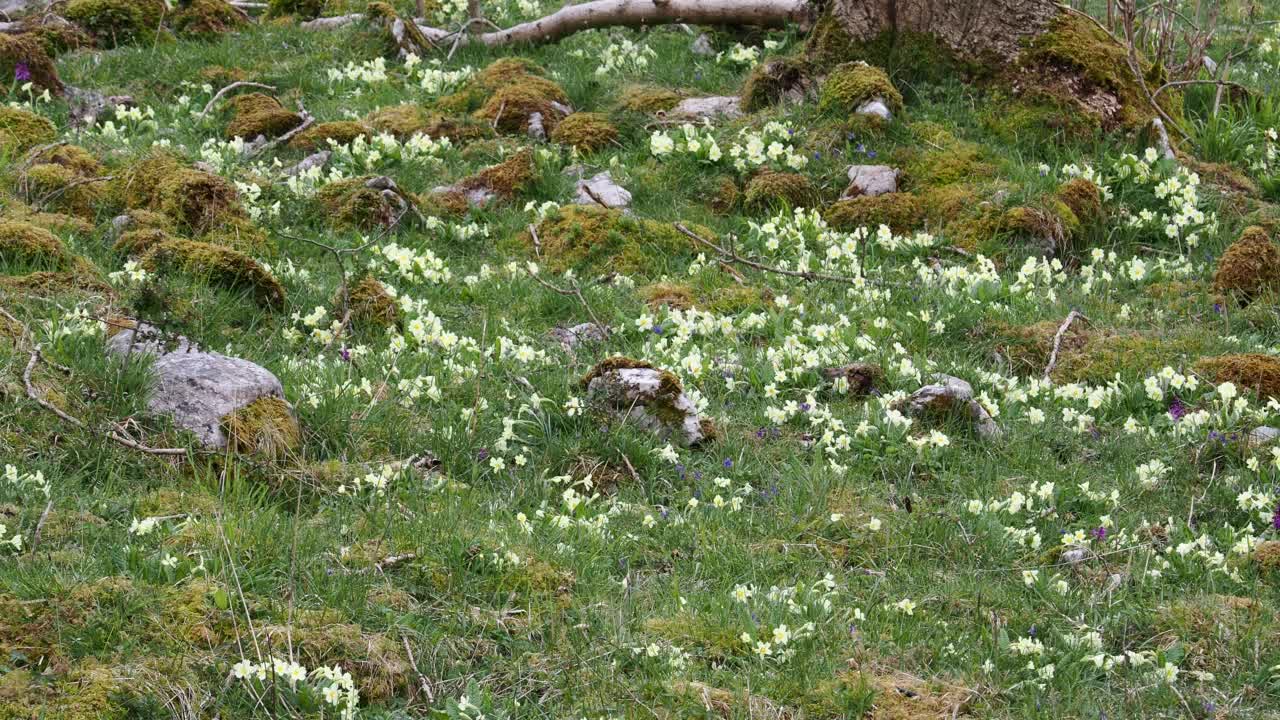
(973, 28)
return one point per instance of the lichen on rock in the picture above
(654, 399)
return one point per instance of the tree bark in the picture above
(973, 28)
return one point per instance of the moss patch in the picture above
(506, 179)
(341, 132)
(1248, 371)
(258, 114)
(902, 212)
(207, 19)
(352, 203)
(218, 264)
(61, 188)
(648, 99)
(510, 107)
(28, 51)
(589, 237)
(21, 130)
(770, 190)
(116, 22)
(851, 84)
(587, 132)
(1250, 265)
(771, 80)
(26, 246)
(947, 160)
(266, 426)
(371, 304)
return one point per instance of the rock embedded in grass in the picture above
(635, 391)
(600, 189)
(951, 396)
(707, 108)
(871, 181)
(208, 393)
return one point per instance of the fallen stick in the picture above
(1057, 340)
(233, 86)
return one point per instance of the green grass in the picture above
(492, 581)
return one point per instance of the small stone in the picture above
(572, 337)
(647, 397)
(602, 185)
(861, 377)
(875, 107)
(705, 108)
(870, 181)
(952, 395)
(537, 131)
(1074, 556)
(702, 46)
(1263, 435)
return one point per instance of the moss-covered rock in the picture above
(59, 187)
(940, 158)
(585, 131)
(850, 85)
(1248, 371)
(26, 55)
(586, 237)
(353, 203)
(26, 246)
(1267, 557)
(195, 200)
(402, 121)
(206, 19)
(510, 107)
(303, 9)
(217, 264)
(1083, 198)
(1076, 64)
(117, 22)
(1250, 265)
(138, 242)
(57, 37)
(266, 426)
(258, 114)
(372, 305)
(770, 190)
(771, 81)
(901, 212)
(341, 132)
(21, 130)
(502, 73)
(648, 99)
(239, 233)
(72, 157)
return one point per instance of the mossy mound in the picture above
(217, 264)
(770, 190)
(21, 130)
(239, 233)
(195, 200)
(1250, 265)
(507, 179)
(57, 37)
(138, 242)
(353, 204)
(510, 107)
(1088, 354)
(72, 157)
(266, 426)
(371, 305)
(850, 85)
(341, 132)
(771, 81)
(403, 121)
(23, 245)
(1248, 371)
(585, 131)
(1267, 557)
(901, 212)
(116, 22)
(648, 99)
(207, 19)
(502, 73)
(58, 223)
(1083, 198)
(57, 186)
(27, 52)
(304, 9)
(81, 277)
(1014, 120)
(721, 300)
(258, 114)
(1075, 64)
(590, 237)
(946, 161)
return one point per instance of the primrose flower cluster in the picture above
(332, 687)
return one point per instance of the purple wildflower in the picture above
(728, 462)
(22, 72)
(1100, 533)
(1177, 410)
(1275, 519)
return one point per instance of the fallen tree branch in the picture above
(573, 291)
(597, 14)
(307, 121)
(733, 257)
(1057, 340)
